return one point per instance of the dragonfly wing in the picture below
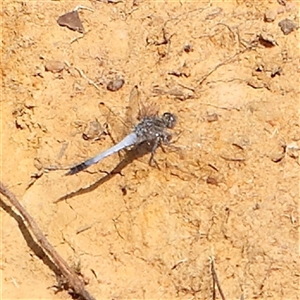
(137, 109)
(115, 123)
(133, 107)
(146, 108)
(129, 140)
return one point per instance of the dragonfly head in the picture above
(169, 120)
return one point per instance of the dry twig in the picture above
(215, 280)
(90, 81)
(73, 281)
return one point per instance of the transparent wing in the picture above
(137, 109)
(148, 109)
(114, 123)
(120, 126)
(133, 106)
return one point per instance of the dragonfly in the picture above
(152, 129)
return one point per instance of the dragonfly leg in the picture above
(157, 143)
(153, 162)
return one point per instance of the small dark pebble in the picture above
(188, 48)
(71, 20)
(211, 180)
(267, 40)
(287, 26)
(282, 2)
(115, 85)
(124, 190)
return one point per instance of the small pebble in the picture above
(282, 2)
(267, 40)
(212, 117)
(277, 157)
(287, 26)
(93, 131)
(115, 85)
(54, 66)
(37, 163)
(270, 15)
(72, 21)
(188, 48)
(211, 180)
(278, 154)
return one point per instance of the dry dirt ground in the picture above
(226, 190)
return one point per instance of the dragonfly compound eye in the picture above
(169, 119)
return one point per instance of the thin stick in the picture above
(90, 81)
(74, 282)
(230, 59)
(215, 280)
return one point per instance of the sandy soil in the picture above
(227, 188)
